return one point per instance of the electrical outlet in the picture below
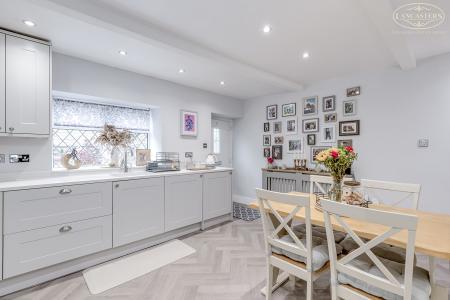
(19, 158)
(2, 158)
(205, 145)
(423, 143)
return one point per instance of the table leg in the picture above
(437, 292)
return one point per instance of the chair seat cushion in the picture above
(319, 231)
(382, 250)
(421, 283)
(319, 250)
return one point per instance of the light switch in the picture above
(423, 143)
(19, 158)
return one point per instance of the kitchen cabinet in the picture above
(183, 196)
(27, 77)
(2, 83)
(138, 209)
(1, 235)
(216, 194)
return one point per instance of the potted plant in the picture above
(337, 161)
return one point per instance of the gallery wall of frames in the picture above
(310, 122)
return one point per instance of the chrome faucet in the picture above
(124, 163)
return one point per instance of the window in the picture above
(76, 125)
(216, 140)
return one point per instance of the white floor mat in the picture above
(113, 273)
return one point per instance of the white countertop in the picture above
(69, 178)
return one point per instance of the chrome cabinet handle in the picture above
(66, 228)
(11, 128)
(65, 191)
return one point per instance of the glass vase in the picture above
(336, 190)
(114, 161)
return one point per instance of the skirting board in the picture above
(34, 278)
(243, 199)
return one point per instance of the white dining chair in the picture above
(290, 245)
(361, 274)
(407, 191)
(320, 183)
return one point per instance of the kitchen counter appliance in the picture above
(165, 162)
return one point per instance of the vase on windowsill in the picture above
(114, 160)
(115, 139)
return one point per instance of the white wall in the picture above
(396, 108)
(72, 75)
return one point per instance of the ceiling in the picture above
(216, 41)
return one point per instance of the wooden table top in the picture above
(432, 236)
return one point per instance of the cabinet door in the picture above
(183, 201)
(216, 194)
(27, 87)
(1, 237)
(2, 83)
(138, 210)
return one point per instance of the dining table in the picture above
(432, 233)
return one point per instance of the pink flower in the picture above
(349, 149)
(270, 160)
(334, 154)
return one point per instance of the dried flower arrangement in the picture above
(113, 137)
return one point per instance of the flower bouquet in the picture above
(269, 163)
(114, 138)
(337, 161)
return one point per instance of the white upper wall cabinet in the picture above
(27, 87)
(2, 82)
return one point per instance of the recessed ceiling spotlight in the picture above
(305, 55)
(222, 83)
(123, 52)
(181, 71)
(267, 29)
(29, 23)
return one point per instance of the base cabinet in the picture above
(216, 194)
(183, 197)
(138, 210)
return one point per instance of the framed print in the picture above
(278, 140)
(329, 103)
(330, 118)
(277, 127)
(289, 110)
(267, 140)
(291, 126)
(328, 134)
(189, 121)
(315, 151)
(310, 106)
(344, 143)
(349, 107)
(311, 139)
(277, 152)
(266, 127)
(354, 91)
(295, 146)
(272, 112)
(310, 125)
(349, 128)
(266, 152)
(142, 157)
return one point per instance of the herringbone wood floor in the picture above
(229, 264)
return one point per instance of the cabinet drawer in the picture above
(40, 248)
(38, 208)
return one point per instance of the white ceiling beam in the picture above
(380, 13)
(93, 13)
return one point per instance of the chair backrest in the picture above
(395, 222)
(403, 190)
(272, 228)
(322, 184)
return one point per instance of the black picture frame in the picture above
(315, 151)
(331, 98)
(344, 132)
(266, 127)
(354, 91)
(268, 109)
(289, 114)
(277, 151)
(267, 137)
(266, 152)
(311, 139)
(344, 143)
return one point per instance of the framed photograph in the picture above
(277, 152)
(277, 127)
(310, 105)
(330, 118)
(267, 140)
(143, 156)
(266, 152)
(291, 126)
(328, 134)
(295, 146)
(311, 139)
(289, 110)
(344, 143)
(329, 103)
(272, 112)
(266, 127)
(279, 140)
(311, 125)
(349, 107)
(349, 128)
(315, 151)
(189, 123)
(354, 91)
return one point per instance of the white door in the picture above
(27, 87)
(2, 83)
(222, 140)
(216, 194)
(138, 210)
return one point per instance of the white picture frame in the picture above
(188, 123)
(295, 145)
(310, 125)
(349, 107)
(328, 134)
(291, 126)
(310, 105)
(267, 140)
